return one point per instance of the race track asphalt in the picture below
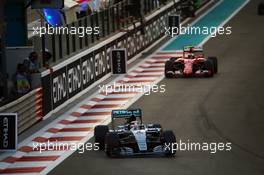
(226, 108)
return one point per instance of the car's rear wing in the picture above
(126, 113)
(192, 50)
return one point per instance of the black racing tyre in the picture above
(208, 65)
(112, 144)
(196, 67)
(215, 63)
(261, 9)
(100, 132)
(168, 67)
(169, 139)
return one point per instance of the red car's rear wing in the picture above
(192, 50)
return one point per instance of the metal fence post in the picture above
(68, 41)
(102, 14)
(108, 21)
(60, 46)
(80, 38)
(118, 16)
(92, 25)
(86, 42)
(96, 16)
(53, 47)
(73, 39)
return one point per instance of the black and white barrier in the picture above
(76, 74)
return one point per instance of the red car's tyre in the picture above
(208, 65)
(261, 9)
(168, 67)
(215, 63)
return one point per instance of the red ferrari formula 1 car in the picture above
(191, 64)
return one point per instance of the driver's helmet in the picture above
(191, 49)
(134, 125)
(131, 119)
(190, 56)
(188, 49)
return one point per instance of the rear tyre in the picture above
(100, 132)
(112, 145)
(261, 9)
(215, 63)
(169, 140)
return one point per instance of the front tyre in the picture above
(100, 132)
(168, 69)
(215, 63)
(261, 9)
(169, 139)
(209, 66)
(112, 144)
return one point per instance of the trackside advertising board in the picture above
(126, 113)
(119, 61)
(8, 131)
(69, 80)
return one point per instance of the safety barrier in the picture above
(76, 74)
(28, 109)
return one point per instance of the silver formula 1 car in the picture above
(133, 137)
